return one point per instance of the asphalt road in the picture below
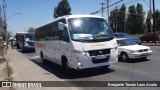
(136, 70)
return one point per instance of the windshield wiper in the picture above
(86, 39)
(104, 35)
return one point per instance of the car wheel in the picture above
(23, 50)
(144, 58)
(124, 57)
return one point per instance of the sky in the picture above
(35, 13)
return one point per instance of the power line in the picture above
(114, 4)
(106, 7)
(127, 3)
(146, 3)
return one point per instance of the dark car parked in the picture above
(150, 36)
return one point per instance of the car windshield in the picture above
(89, 29)
(29, 37)
(125, 42)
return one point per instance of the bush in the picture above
(1, 48)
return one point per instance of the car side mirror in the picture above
(61, 26)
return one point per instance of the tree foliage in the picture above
(157, 20)
(122, 19)
(148, 22)
(62, 9)
(131, 22)
(135, 19)
(31, 29)
(140, 18)
(112, 18)
(118, 19)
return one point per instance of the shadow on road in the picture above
(57, 70)
(20, 50)
(135, 60)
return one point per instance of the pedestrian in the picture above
(12, 46)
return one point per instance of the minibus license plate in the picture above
(101, 56)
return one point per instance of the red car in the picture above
(150, 36)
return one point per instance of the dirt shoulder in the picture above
(3, 73)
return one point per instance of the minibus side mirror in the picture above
(60, 26)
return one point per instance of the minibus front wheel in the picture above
(65, 65)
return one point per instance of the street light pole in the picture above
(108, 10)
(12, 16)
(116, 18)
(102, 8)
(150, 6)
(5, 27)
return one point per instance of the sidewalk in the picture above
(24, 69)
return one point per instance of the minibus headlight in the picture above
(79, 63)
(80, 52)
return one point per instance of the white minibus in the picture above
(77, 42)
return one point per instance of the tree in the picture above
(131, 20)
(157, 20)
(118, 17)
(140, 18)
(148, 22)
(122, 19)
(112, 18)
(31, 29)
(135, 20)
(62, 9)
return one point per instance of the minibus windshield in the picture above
(89, 29)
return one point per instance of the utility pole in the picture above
(108, 10)
(150, 4)
(154, 25)
(116, 18)
(107, 7)
(102, 8)
(4, 23)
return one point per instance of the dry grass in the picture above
(2, 61)
(8, 72)
(137, 35)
